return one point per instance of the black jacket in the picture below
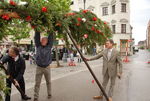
(43, 55)
(15, 68)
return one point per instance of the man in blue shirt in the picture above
(43, 59)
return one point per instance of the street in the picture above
(75, 83)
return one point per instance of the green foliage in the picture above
(141, 47)
(18, 30)
(3, 88)
(42, 20)
(85, 23)
(55, 17)
(3, 26)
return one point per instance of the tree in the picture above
(3, 88)
(52, 15)
(18, 30)
(3, 26)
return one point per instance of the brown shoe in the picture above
(35, 99)
(110, 99)
(49, 96)
(97, 97)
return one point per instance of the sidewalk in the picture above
(56, 73)
(72, 87)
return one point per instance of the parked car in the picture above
(136, 49)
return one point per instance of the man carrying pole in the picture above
(111, 58)
(16, 69)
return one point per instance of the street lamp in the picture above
(84, 1)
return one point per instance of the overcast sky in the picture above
(140, 15)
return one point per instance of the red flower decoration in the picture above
(85, 11)
(79, 19)
(85, 35)
(12, 2)
(44, 9)
(73, 13)
(105, 22)
(129, 40)
(93, 28)
(98, 31)
(94, 18)
(6, 17)
(33, 26)
(28, 18)
(70, 14)
(78, 24)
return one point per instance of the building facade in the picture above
(116, 13)
(148, 36)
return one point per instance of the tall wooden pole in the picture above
(88, 66)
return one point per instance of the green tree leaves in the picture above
(18, 30)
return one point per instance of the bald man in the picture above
(43, 59)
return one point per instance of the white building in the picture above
(116, 13)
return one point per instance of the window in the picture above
(91, 8)
(123, 28)
(114, 29)
(123, 7)
(113, 9)
(105, 11)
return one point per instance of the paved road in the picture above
(77, 85)
(55, 72)
(139, 74)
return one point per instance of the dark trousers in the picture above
(9, 83)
